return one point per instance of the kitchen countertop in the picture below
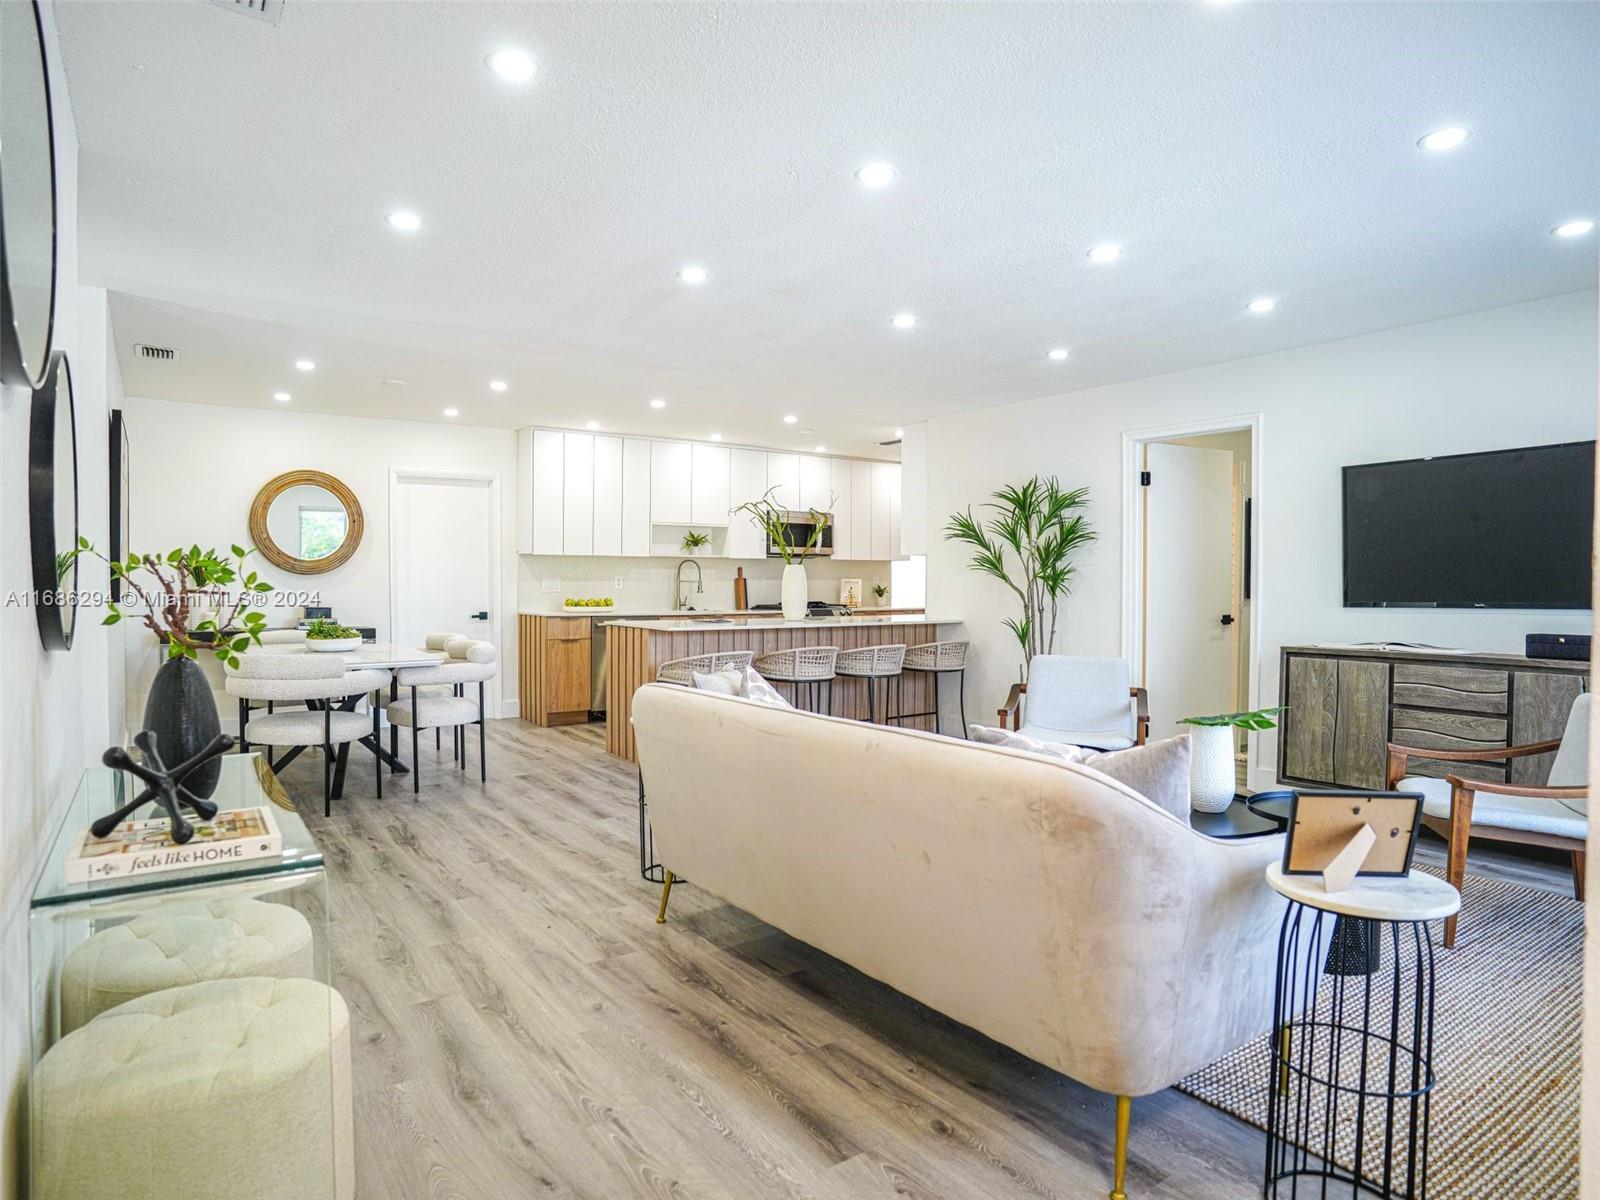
(680, 614)
(713, 622)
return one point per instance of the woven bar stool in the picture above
(940, 659)
(682, 671)
(809, 665)
(873, 663)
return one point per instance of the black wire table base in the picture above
(1351, 1059)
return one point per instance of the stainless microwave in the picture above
(801, 526)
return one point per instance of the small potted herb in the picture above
(330, 637)
(694, 541)
(881, 591)
(1211, 766)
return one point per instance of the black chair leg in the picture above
(483, 766)
(937, 715)
(416, 762)
(327, 762)
(437, 733)
(377, 763)
(963, 693)
(872, 701)
(244, 724)
(394, 731)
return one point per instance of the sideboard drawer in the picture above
(1466, 689)
(1438, 769)
(1434, 729)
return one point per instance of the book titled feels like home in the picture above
(143, 847)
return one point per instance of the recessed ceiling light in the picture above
(1573, 229)
(304, 364)
(658, 402)
(1059, 354)
(1442, 140)
(404, 220)
(498, 385)
(452, 412)
(819, 449)
(282, 397)
(790, 419)
(1262, 305)
(511, 64)
(904, 320)
(1107, 252)
(876, 174)
(899, 433)
(693, 275)
(716, 437)
(591, 424)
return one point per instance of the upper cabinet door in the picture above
(861, 510)
(524, 491)
(885, 510)
(577, 525)
(670, 469)
(783, 480)
(608, 496)
(843, 507)
(816, 483)
(636, 497)
(747, 481)
(549, 470)
(708, 502)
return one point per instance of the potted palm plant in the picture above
(774, 522)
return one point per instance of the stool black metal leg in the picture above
(938, 677)
(962, 679)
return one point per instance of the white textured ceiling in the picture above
(235, 175)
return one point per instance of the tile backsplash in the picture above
(647, 582)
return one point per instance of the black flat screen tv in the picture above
(1505, 529)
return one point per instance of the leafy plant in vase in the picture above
(881, 592)
(774, 523)
(330, 637)
(694, 541)
(1211, 764)
(195, 601)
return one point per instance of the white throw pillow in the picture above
(1158, 771)
(758, 689)
(726, 683)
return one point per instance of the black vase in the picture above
(182, 713)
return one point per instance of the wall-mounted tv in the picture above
(1506, 529)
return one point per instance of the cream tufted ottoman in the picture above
(179, 944)
(232, 1089)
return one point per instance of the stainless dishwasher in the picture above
(597, 667)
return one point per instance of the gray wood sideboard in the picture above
(1346, 702)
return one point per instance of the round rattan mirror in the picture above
(306, 522)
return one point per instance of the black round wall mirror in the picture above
(53, 505)
(27, 198)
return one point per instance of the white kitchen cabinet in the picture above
(708, 485)
(747, 481)
(608, 496)
(839, 483)
(524, 491)
(783, 480)
(861, 510)
(671, 465)
(636, 497)
(816, 483)
(549, 470)
(577, 521)
(885, 510)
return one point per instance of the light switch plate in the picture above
(550, 585)
(616, 581)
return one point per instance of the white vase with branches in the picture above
(774, 522)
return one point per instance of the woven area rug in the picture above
(1509, 1009)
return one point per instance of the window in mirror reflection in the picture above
(322, 531)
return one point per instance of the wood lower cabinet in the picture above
(1345, 704)
(555, 669)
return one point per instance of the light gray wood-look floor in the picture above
(522, 1027)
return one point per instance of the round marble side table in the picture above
(1352, 1046)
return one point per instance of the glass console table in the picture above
(163, 1002)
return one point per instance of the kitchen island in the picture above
(639, 647)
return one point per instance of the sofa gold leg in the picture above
(1120, 1167)
(1284, 1044)
(666, 890)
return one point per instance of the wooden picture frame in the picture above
(1321, 824)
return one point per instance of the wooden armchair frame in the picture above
(1013, 710)
(1459, 830)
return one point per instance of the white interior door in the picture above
(443, 561)
(1189, 645)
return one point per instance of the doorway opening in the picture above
(1191, 608)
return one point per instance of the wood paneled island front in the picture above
(638, 648)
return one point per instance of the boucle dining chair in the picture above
(469, 662)
(318, 680)
(430, 641)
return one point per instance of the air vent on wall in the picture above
(155, 353)
(890, 442)
(270, 11)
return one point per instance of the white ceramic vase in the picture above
(1211, 767)
(795, 592)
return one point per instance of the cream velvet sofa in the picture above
(1037, 901)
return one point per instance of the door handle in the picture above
(1227, 618)
(484, 616)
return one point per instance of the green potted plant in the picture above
(774, 522)
(1211, 767)
(694, 541)
(330, 637)
(194, 601)
(881, 591)
(1042, 527)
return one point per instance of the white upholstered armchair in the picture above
(1079, 701)
(1555, 815)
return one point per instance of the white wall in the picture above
(56, 710)
(204, 496)
(1522, 375)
